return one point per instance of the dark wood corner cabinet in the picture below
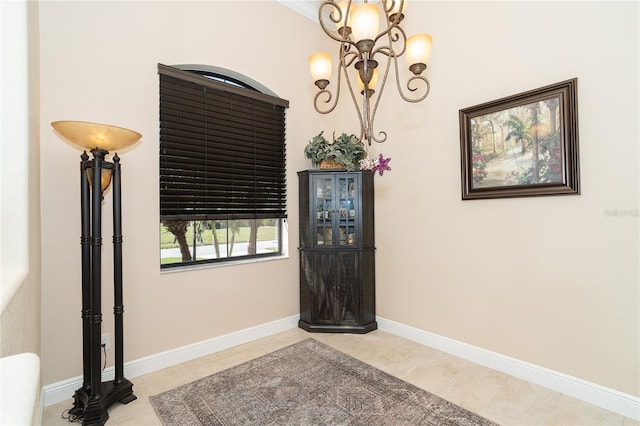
(337, 251)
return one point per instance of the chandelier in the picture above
(367, 48)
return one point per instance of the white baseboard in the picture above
(601, 396)
(63, 390)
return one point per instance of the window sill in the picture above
(222, 264)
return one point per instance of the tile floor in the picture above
(494, 395)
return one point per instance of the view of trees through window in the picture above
(189, 241)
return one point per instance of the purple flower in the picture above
(382, 164)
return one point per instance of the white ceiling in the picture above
(308, 8)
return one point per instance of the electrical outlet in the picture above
(105, 340)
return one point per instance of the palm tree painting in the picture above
(522, 145)
(517, 146)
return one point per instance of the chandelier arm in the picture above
(388, 50)
(383, 33)
(421, 78)
(424, 80)
(382, 134)
(394, 38)
(387, 6)
(343, 38)
(348, 57)
(382, 138)
(391, 25)
(355, 103)
(384, 50)
(329, 96)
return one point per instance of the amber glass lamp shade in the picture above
(105, 179)
(90, 136)
(95, 135)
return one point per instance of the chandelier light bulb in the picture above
(419, 49)
(372, 84)
(365, 21)
(320, 66)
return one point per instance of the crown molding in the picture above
(307, 8)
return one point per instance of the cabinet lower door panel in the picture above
(333, 294)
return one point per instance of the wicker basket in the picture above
(330, 164)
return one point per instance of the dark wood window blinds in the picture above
(222, 150)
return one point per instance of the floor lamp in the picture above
(93, 399)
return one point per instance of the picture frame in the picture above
(522, 145)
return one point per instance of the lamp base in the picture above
(94, 411)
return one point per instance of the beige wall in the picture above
(99, 63)
(552, 281)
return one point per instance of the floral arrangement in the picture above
(379, 164)
(345, 150)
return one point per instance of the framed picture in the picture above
(522, 145)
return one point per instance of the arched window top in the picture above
(227, 76)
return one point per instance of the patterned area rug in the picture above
(307, 383)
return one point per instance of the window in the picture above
(222, 168)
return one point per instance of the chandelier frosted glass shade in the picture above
(320, 66)
(90, 135)
(364, 21)
(418, 50)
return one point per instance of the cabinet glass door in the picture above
(323, 192)
(347, 204)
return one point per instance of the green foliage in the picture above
(346, 150)
(518, 130)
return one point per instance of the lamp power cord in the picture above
(76, 418)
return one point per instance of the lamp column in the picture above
(93, 399)
(85, 212)
(118, 307)
(96, 274)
